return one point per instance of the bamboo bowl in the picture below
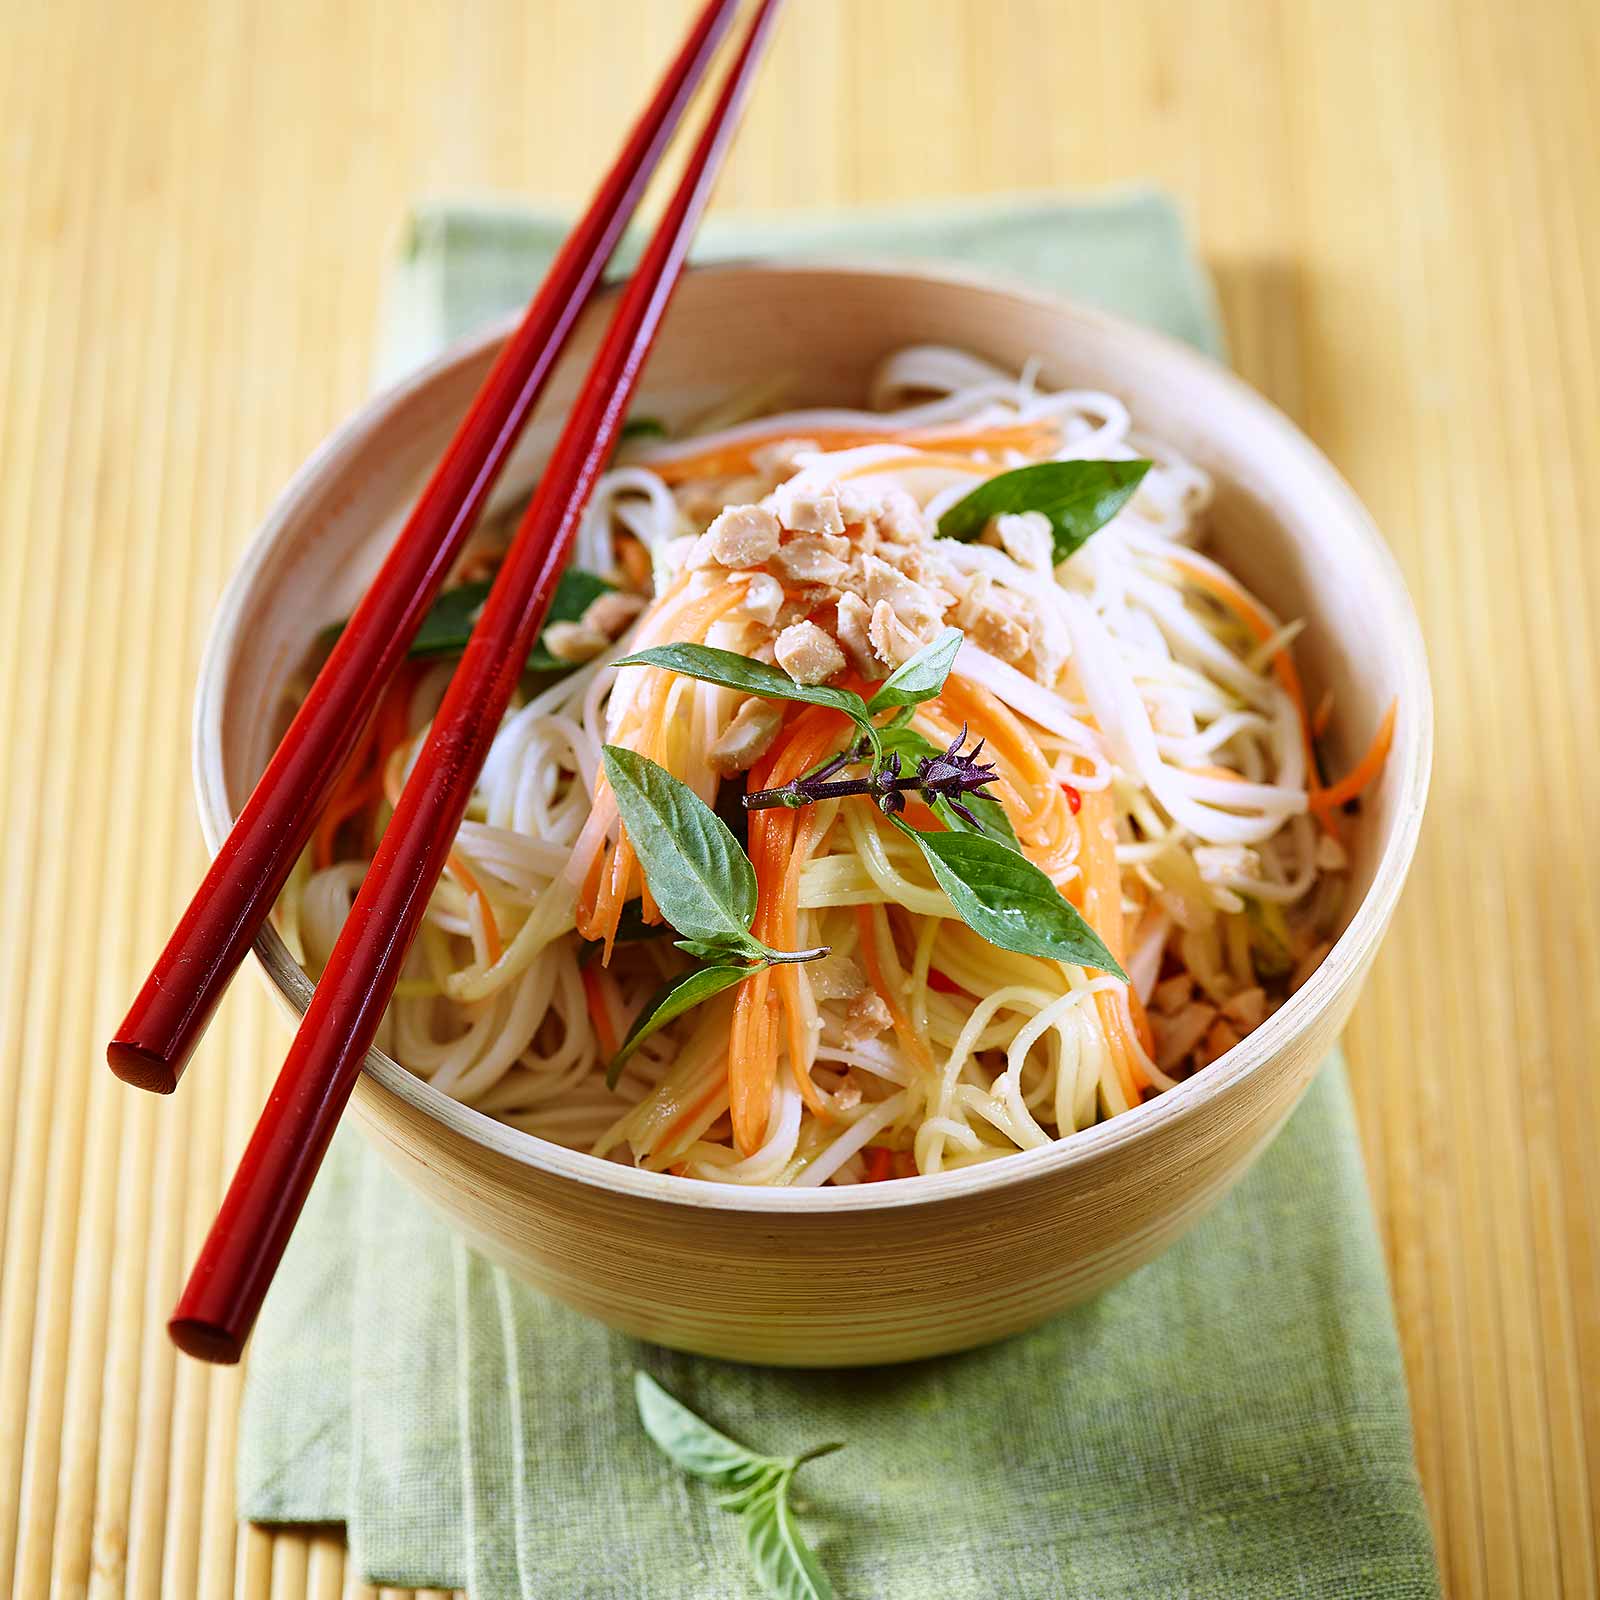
(925, 1265)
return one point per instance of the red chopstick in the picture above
(159, 1034)
(219, 1305)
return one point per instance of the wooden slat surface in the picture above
(1401, 202)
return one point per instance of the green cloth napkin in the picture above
(1231, 1422)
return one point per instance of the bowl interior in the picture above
(1284, 521)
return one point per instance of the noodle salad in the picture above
(890, 790)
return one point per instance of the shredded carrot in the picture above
(736, 457)
(362, 783)
(690, 1114)
(1323, 715)
(1028, 793)
(1324, 799)
(599, 1013)
(1102, 910)
(634, 560)
(879, 1162)
(1368, 767)
(872, 960)
(1261, 627)
(462, 873)
(779, 842)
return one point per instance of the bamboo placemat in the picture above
(1400, 199)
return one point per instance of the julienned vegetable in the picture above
(706, 887)
(988, 774)
(755, 1488)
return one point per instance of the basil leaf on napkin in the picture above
(783, 1560)
(757, 1485)
(1079, 497)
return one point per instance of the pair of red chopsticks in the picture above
(219, 1305)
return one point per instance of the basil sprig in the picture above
(698, 875)
(755, 1487)
(701, 880)
(669, 1002)
(1079, 497)
(993, 887)
(912, 747)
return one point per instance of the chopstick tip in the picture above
(142, 1067)
(205, 1341)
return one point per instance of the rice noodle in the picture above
(1134, 686)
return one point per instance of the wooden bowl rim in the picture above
(1410, 757)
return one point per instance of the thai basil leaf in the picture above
(757, 1490)
(693, 1445)
(699, 877)
(912, 747)
(749, 948)
(1078, 497)
(783, 1560)
(576, 592)
(920, 678)
(722, 952)
(669, 1003)
(445, 629)
(1002, 896)
(751, 677)
(448, 624)
(642, 428)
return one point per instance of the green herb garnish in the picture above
(979, 813)
(642, 428)
(448, 624)
(920, 678)
(993, 887)
(752, 677)
(703, 883)
(1079, 497)
(1001, 895)
(755, 1488)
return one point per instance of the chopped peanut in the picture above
(808, 560)
(1246, 1008)
(763, 599)
(808, 654)
(913, 605)
(1172, 994)
(746, 738)
(610, 613)
(894, 643)
(806, 510)
(573, 642)
(867, 1017)
(855, 621)
(742, 536)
